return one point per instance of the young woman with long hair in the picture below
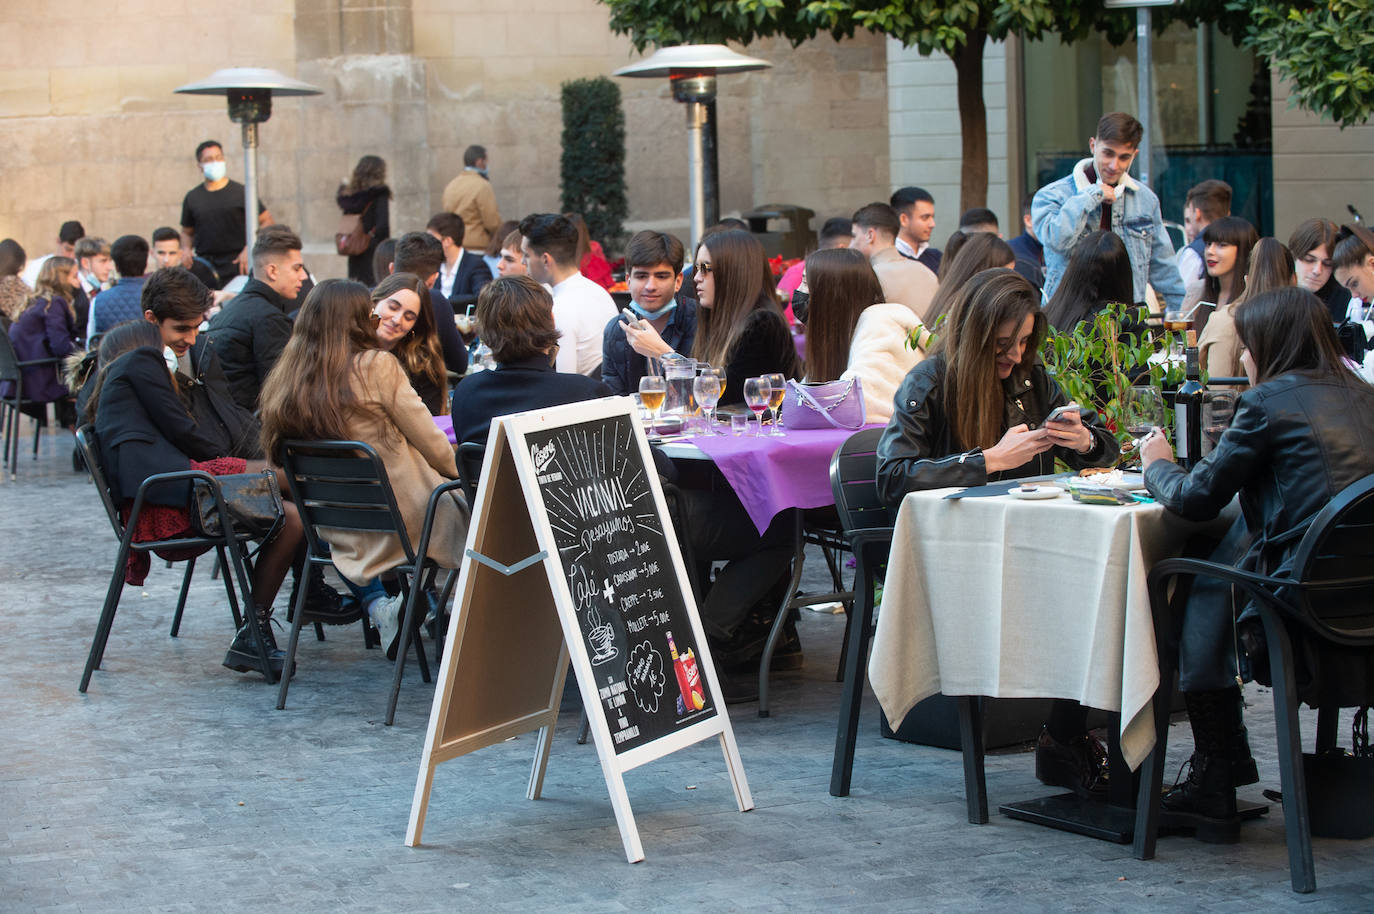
(144, 428)
(1313, 243)
(975, 411)
(406, 329)
(1226, 259)
(1352, 263)
(739, 321)
(979, 251)
(47, 329)
(365, 193)
(1306, 410)
(852, 333)
(1098, 273)
(14, 294)
(1271, 267)
(334, 381)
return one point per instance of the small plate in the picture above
(1035, 493)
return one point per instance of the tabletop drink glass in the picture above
(777, 391)
(652, 390)
(1144, 411)
(706, 388)
(756, 394)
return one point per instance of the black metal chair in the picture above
(470, 457)
(343, 485)
(12, 369)
(230, 548)
(1329, 596)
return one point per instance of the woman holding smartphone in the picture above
(980, 408)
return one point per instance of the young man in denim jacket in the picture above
(1100, 195)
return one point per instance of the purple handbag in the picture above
(832, 404)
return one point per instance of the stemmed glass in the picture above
(777, 390)
(652, 390)
(756, 394)
(706, 389)
(1144, 410)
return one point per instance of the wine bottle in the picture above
(1188, 410)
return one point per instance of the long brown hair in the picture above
(743, 285)
(1271, 267)
(1290, 330)
(119, 339)
(370, 172)
(981, 251)
(842, 285)
(1235, 231)
(419, 352)
(974, 396)
(52, 282)
(308, 393)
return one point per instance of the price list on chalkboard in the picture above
(625, 590)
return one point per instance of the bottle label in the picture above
(1181, 430)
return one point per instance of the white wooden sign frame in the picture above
(508, 613)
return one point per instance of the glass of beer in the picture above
(652, 390)
(777, 390)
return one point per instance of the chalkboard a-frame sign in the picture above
(571, 554)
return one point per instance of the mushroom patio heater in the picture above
(249, 91)
(692, 69)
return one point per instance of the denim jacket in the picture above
(1068, 210)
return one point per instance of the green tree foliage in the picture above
(1324, 50)
(593, 166)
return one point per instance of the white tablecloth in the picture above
(1008, 598)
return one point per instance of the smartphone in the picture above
(1061, 411)
(629, 317)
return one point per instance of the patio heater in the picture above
(691, 70)
(249, 91)
(1145, 92)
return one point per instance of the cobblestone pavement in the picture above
(174, 785)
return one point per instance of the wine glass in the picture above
(1144, 410)
(652, 390)
(720, 376)
(777, 390)
(706, 389)
(756, 394)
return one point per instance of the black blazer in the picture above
(473, 273)
(514, 388)
(144, 429)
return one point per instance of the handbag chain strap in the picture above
(804, 396)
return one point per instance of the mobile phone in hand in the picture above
(1061, 411)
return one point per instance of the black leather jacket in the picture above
(1295, 441)
(917, 449)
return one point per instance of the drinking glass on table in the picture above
(1177, 321)
(706, 389)
(652, 390)
(756, 394)
(777, 390)
(1144, 411)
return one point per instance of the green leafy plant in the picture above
(1097, 362)
(593, 165)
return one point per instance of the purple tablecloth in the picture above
(445, 424)
(773, 474)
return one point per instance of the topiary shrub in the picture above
(594, 157)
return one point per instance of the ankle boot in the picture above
(1205, 801)
(242, 656)
(1243, 768)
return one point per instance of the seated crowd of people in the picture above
(945, 343)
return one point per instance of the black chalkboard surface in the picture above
(626, 594)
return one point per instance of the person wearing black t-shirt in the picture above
(213, 220)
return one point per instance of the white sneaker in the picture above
(386, 616)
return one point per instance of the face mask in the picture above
(801, 304)
(643, 312)
(214, 171)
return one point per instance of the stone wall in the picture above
(93, 131)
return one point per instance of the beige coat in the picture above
(418, 457)
(1218, 349)
(905, 281)
(470, 197)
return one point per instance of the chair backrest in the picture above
(89, 442)
(853, 482)
(1336, 560)
(470, 457)
(9, 361)
(342, 485)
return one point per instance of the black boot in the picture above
(1205, 801)
(1243, 768)
(322, 602)
(242, 656)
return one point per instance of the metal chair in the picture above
(12, 369)
(1329, 596)
(470, 457)
(343, 485)
(230, 545)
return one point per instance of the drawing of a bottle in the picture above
(688, 679)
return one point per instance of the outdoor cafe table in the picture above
(1000, 597)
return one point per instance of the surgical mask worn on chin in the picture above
(214, 171)
(643, 312)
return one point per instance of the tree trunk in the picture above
(973, 121)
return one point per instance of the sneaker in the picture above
(242, 656)
(1080, 764)
(386, 616)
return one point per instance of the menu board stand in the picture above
(571, 555)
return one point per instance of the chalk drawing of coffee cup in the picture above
(601, 637)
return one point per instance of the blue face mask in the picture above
(639, 309)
